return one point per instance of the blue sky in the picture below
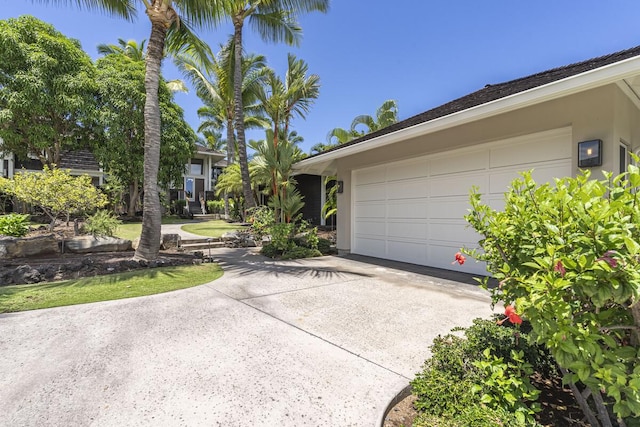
(420, 53)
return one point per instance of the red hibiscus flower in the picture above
(459, 258)
(560, 268)
(512, 316)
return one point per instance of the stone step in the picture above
(186, 241)
(201, 246)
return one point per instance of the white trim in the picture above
(602, 76)
(628, 90)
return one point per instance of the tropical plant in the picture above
(566, 256)
(275, 20)
(215, 87)
(47, 91)
(129, 48)
(170, 25)
(102, 223)
(55, 191)
(120, 82)
(15, 225)
(386, 115)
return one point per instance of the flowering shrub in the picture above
(567, 257)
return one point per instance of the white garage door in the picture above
(413, 210)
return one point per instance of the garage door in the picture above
(413, 211)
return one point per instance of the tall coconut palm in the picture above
(130, 48)
(214, 85)
(275, 21)
(168, 26)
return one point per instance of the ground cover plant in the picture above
(105, 288)
(15, 225)
(566, 257)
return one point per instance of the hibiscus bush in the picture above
(567, 257)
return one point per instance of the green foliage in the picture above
(291, 240)
(55, 191)
(121, 86)
(215, 206)
(14, 225)
(47, 91)
(298, 252)
(282, 236)
(324, 246)
(567, 256)
(472, 416)
(262, 219)
(102, 223)
(488, 368)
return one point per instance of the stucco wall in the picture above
(603, 113)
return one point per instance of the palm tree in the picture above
(167, 27)
(214, 86)
(386, 115)
(129, 48)
(275, 20)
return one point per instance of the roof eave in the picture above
(326, 163)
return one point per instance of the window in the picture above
(196, 167)
(624, 157)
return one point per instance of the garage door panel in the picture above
(370, 210)
(413, 252)
(371, 247)
(448, 207)
(452, 231)
(407, 170)
(458, 185)
(408, 209)
(371, 228)
(501, 179)
(543, 149)
(408, 230)
(371, 192)
(409, 189)
(463, 162)
(371, 175)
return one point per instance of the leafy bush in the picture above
(215, 206)
(262, 219)
(488, 368)
(567, 258)
(102, 223)
(15, 225)
(288, 240)
(298, 252)
(324, 246)
(178, 205)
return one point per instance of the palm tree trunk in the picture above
(230, 157)
(239, 115)
(149, 246)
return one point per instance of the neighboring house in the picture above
(406, 187)
(199, 180)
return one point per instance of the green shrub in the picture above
(262, 219)
(324, 246)
(269, 250)
(489, 367)
(102, 223)
(282, 236)
(215, 206)
(298, 252)
(179, 205)
(14, 225)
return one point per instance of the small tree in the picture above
(567, 257)
(55, 191)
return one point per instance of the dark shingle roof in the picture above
(497, 91)
(78, 159)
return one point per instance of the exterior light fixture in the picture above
(590, 153)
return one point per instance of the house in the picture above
(405, 188)
(200, 178)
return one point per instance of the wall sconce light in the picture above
(340, 187)
(590, 153)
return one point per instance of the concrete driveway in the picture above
(319, 342)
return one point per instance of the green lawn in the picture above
(215, 228)
(104, 288)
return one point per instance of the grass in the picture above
(104, 288)
(215, 228)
